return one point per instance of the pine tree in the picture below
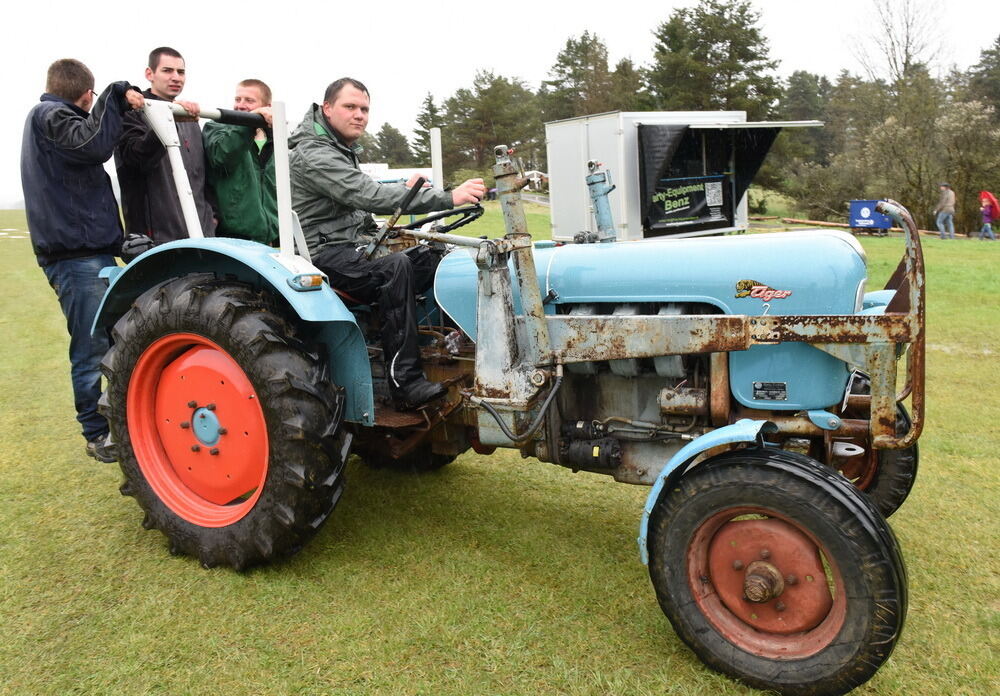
(713, 56)
(496, 110)
(984, 77)
(393, 146)
(628, 87)
(579, 82)
(429, 117)
(806, 97)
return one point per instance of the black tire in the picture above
(837, 648)
(418, 461)
(896, 472)
(888, 475)
(294, 477)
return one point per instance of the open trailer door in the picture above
(693, 178)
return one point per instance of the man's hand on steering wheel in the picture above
(470, 191)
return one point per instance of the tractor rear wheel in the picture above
(228, 429)
(778, 572)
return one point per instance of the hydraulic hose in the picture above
(523, 437)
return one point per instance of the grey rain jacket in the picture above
(330, 193)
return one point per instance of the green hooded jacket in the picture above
(334, 199)
(242, 176)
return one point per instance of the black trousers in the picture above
(392, 282)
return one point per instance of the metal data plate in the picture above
(770, 391)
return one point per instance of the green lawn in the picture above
(495, 575)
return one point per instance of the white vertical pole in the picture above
(184, 193)
(160, 117)
(437, 168)
(279, 131)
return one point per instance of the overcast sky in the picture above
(401, 50)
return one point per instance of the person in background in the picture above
(988, 210)
(241, 169)
(945, 211)
(334, 200)
(73, 217)
(149, 196)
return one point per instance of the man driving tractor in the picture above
(334, 200)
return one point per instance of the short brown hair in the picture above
(265, 91)
(333, 89)
(157, 53)
(68, 79)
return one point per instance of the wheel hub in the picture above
(770, 575)
(763, 582)
(206, 426)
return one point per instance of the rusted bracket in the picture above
(590, 338)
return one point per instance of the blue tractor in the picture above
(750, 382)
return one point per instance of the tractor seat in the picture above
(351, 302)
(354, 305)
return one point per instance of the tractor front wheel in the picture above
(228, 430)
(776, 571)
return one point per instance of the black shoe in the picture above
(103, 450)
(419, 392)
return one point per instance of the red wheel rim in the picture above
(860, 470)
(197, 430)
(806, 614)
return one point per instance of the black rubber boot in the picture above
(418, 392)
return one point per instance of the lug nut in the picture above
(195, 448)
(192, 404)
(222, 431)
(185, 425)
(791, 579)
(780, 606)
(214, 450)
(737, 565)
(765, 554)
(211, 407)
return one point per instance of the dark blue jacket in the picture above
(70, 206)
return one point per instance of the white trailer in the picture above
(676, 173)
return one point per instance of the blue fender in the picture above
(745, 430)
(333, 325)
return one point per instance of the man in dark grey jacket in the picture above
(334, 200)
(73, 217)
(149, 196)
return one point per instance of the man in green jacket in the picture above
(241, 169)
(334, 200)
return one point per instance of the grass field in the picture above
(495, 575)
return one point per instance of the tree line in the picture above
(895, 131)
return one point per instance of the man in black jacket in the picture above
(73, 217)
(149, 196)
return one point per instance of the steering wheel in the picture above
(467, 215)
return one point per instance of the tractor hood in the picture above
(804, 272)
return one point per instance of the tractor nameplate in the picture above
(770, 391)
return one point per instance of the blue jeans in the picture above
(944, 219)
(80, 290)
(987, 231)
